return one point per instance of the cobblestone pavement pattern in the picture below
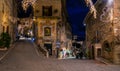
(24, 58)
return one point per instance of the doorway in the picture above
(48, 46)
(92, 52)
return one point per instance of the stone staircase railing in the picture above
(44, 51)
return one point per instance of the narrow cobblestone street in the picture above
(24, 57)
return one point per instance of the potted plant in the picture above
(5, 40)
(1, 44)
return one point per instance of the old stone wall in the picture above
(100, 29)
(116, 22)
(1, 1)
(7, 9)
(105, 29)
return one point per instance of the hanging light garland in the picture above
(107, 15)
(107, 12)
(92, 7)
(27, 3)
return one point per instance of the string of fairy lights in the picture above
(106, 10)
(27, 3)
(89, 3)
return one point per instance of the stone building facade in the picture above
(116, 22)
(52, 29)
(7, 10)
(102, 30)
(1, 16)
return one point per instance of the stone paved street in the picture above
(25, 58)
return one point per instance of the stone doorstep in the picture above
(105, 61)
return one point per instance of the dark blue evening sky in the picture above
(77, 10)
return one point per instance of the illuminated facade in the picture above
(7, 9)
(50, 26)
(116, 22)
(103, 33)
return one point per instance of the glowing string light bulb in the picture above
(92, 7)
(27, 3)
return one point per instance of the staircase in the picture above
(42, 50)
